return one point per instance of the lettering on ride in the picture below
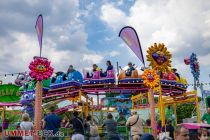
(9, 93)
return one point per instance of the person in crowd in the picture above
(91, 129)
(78, 124)
(70, 70)
(159, 127)
(52, 122)
(42, 121)
(181, 133)
(111, 128)
(206, 117)
(148, 123)
(109, 67)
(169, 128)
(121, 120)
(77, 137)
(95, 68)
(128, 72)
(147, 137)
(65, 122)
(135, 123)
(27, 125)
(203, 134)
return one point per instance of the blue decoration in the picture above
(26, 100)
(61, 80)
(75, 76)
(194, 65)
(122, 103)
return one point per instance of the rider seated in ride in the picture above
(60, 74)
(95, 68)
(109, 67)
(128, 72)
(70, 70)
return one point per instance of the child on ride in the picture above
(95, 68)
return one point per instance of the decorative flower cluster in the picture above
(40, 69)
(151, 79)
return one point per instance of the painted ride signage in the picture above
(9, 93)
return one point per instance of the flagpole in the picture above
(40, 51)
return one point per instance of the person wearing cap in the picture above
(121, 120)
(128, 72)
(70, 70)
(135, 124)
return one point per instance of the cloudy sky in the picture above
(86, 32)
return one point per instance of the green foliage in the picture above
(184, 111)
(13, 116)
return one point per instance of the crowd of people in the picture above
(88, 130)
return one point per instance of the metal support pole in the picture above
(86, 107)
(152, 113)
(197, 107)
(175, 114)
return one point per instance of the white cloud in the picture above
(182, 25)
(92, 58)
(120, 2)
(114, 53)
(112, 16)
(204, 60)
(172, 22)
(64, 40)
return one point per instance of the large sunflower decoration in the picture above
(159, 57)
(151, 79)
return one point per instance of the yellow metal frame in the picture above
(187, 97)
(163, 101)
(85, 104)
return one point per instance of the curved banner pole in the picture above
(39, 30)
(129, 35)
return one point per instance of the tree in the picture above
(184, 111)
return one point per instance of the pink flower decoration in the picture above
(40, 69)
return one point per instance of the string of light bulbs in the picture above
(12, 74)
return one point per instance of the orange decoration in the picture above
(151, 79)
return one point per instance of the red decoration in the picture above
(171, 76)
(187, 61)
(40, 68)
